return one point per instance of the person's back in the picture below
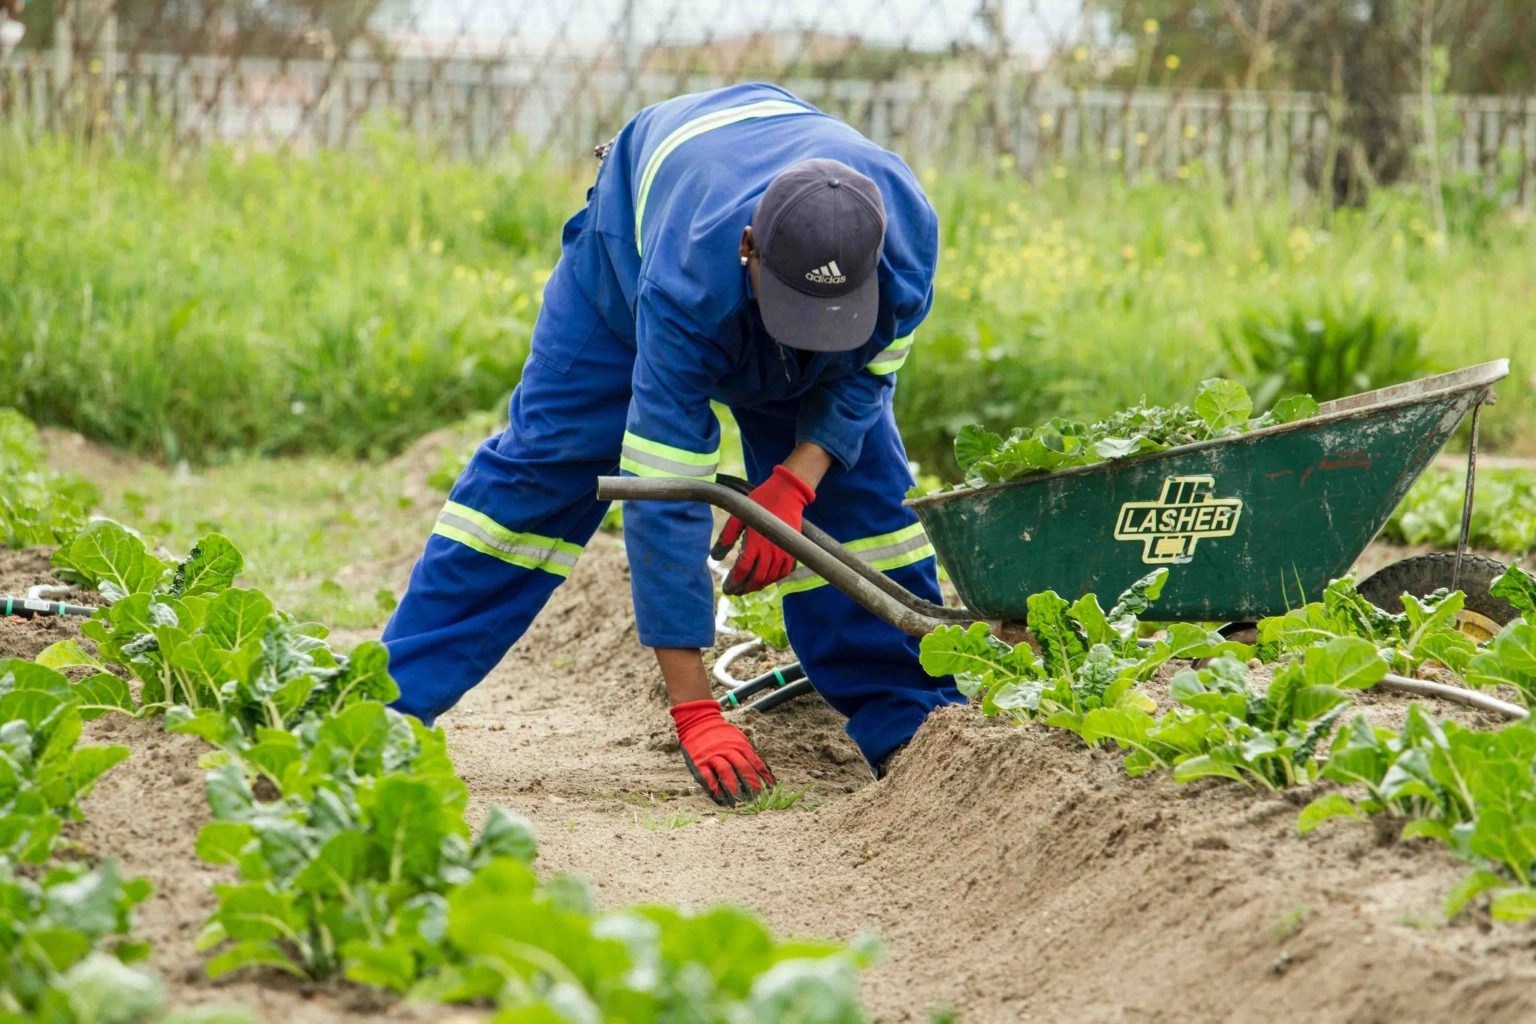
(682, 178)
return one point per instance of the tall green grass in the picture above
(344, 302)
(347, 302)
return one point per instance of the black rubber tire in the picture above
(1422, 575)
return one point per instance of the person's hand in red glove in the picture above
(761, 561)
(718, 754)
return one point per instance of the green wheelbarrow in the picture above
(1248, 526)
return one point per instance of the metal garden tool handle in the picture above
(813, 548)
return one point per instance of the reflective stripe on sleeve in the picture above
(891, 358)
(644, 457)
(693, 129)
(528, 550)
(885, 552)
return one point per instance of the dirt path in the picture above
(1012, 874)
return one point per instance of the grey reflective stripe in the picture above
(631, 457)
(532, 552)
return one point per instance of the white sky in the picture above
(922, 24)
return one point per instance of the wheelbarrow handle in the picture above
(814, 548)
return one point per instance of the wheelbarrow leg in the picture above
(1466, 501)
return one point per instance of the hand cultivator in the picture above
(1249, 526)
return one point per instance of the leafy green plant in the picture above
(347, 870)
(1221, 407)
(1425, 631)
(537, 950)
(1222, 727)
(37, 506)
(43, 771)
(345, 823)
(781, 796)
(192, 639)
(1088, 659)
(760, 613)
(1503, 516)
(63, 947)
(1327, 347)
(1394, 770)
(1472, 789)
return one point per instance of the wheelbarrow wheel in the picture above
(1483, 615)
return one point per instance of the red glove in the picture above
(762, 562)
(720, 757)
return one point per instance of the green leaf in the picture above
(1223, 405)
(224, 842)
(229, 795)
(103, 990)
(1508, 660)
(19, 675)
(506, 835)
(1060, 643)
(237, 617)
(1518, 587)
(391, 966)
(1515, 904)
(101, 693)
(338, 866)
(972, 444)
(254, 913)
(67, 654)
(1292, 408)
(366, 677)
(208, 724)
(1313, 702)
(410, 821)
(1203, 766)
(107, 557)
(67, 780)
(1469, 889)
(1330, 805)
(1425, 828)
(251, 954)
(1347, 662)
(59, 946)
(211, 568)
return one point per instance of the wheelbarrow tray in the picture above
(1248, 526)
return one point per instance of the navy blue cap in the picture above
(819, 230)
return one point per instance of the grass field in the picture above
(350, 302)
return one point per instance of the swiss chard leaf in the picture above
(105, 556)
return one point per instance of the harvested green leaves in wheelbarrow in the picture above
(1221, 408)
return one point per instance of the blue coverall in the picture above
(647, 317)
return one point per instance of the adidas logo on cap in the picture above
(827, 273)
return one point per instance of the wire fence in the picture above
(1035, 84)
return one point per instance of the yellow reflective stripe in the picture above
(893, 357)
(885, 552)
(644, 457)
(480, 532)
(666, 451)
(698, 126)
(885, 540)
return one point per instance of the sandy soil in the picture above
(1012, 874)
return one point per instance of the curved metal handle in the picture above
(814, 549)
